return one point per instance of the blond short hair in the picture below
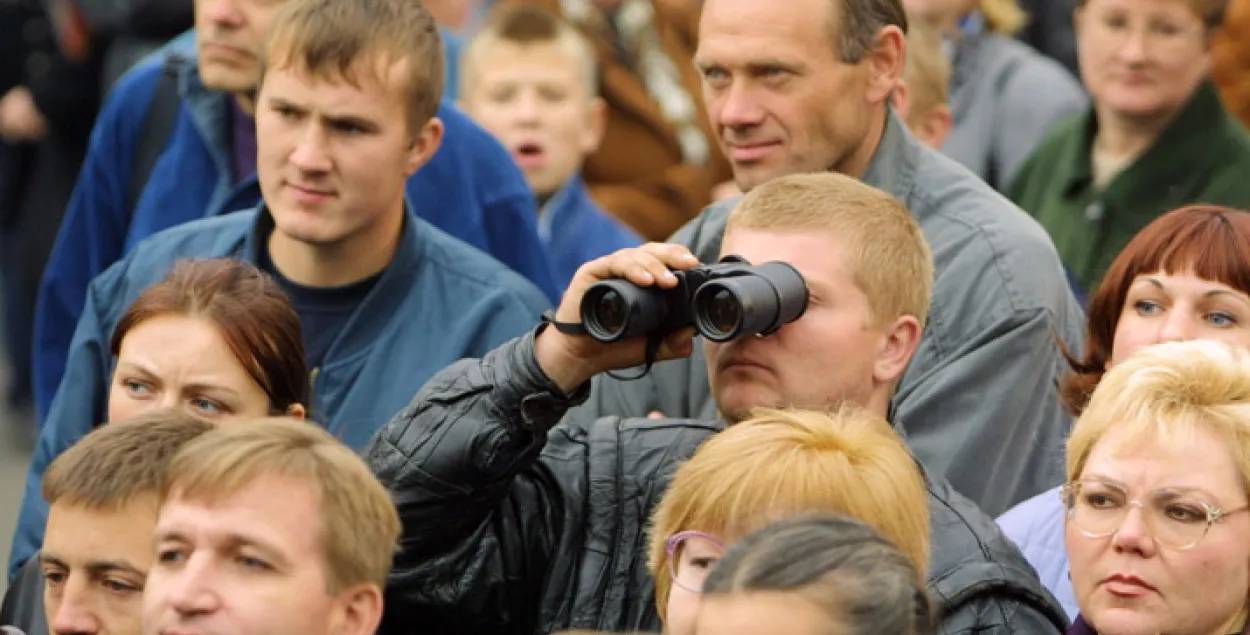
(358, 524)
(1004, 16)
(885, 246)
(524, 25)
(786, 462)
(118, 463)
(1163, 393)
(329, 37)
(927, 71)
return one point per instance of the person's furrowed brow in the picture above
(349, 122)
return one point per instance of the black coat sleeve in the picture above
(482, 516)
(23, 603)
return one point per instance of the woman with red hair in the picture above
(1185, 276)
(217, 339)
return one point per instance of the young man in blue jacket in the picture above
(206, 166)
(530, 79)
(345, 115)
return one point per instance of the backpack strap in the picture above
(158, 124)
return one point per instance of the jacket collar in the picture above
(1173, 153)
(893, 165)
(563, 207)
(210, 111)
(382, 306)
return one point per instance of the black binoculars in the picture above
(724, 301)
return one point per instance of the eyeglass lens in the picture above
(692, 557)
(1176, 518)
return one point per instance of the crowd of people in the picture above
(690, 317)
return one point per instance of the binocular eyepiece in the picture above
(725, 301)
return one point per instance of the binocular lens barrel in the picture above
(733, 307)
(723, 302)
(616, 310)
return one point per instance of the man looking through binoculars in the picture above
(517, 522)
(849, 344)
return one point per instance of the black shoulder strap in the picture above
(158, 124)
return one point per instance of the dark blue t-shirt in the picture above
(322, 310)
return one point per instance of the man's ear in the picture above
(900, 343)
(885, 63)
(596, 123)
(424, 144)
(359, 611)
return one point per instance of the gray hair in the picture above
(863, 582)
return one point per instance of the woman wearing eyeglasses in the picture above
(1158, 469)
(1185, 276)
(775, 465)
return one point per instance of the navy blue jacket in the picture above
(471, 189)
(437, 302)
(576, 230)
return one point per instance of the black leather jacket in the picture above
(23, 602)
(516, 523)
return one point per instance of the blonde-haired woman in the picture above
(1158, 487)
(779, 464)
(1004, 95)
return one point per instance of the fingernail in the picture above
(689, 258)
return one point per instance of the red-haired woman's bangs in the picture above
(1213, 243)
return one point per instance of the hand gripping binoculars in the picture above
(724, 301)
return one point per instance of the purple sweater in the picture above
(1081, 627)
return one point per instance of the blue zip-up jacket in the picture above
(471, 189)
(576, 230)
(1037, 526)
(438, 301)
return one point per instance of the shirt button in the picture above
(1094, 212)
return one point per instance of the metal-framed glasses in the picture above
(691, 555)
(1176, 517)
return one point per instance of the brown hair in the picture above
(857, 23)
(1209, 241)
(528, 25)
(1211, 12)
(119, 462)
(358, 526)
(247, 307)
(786, 462)
(329, 37)
(885, 246)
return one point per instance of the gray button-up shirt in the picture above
(978, 403)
